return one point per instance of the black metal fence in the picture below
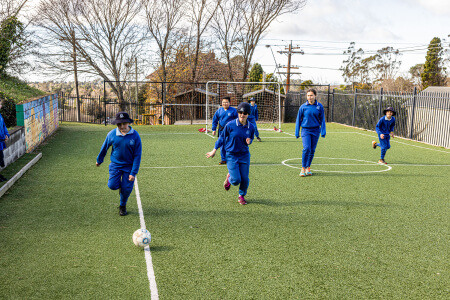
(423, 116)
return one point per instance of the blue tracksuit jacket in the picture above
(233, 137)
(223, 116)
(310, 116)
(385, 126)
(3, 133)
(126, 150)
(253, 113)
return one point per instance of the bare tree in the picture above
(163, 21)
(251, 20)
(226, 27)
(104, 34)
(199, 16)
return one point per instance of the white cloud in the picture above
(440, 7)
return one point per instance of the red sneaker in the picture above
(242, 200)
(227, 184)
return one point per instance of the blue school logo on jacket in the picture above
(317, 107)
(132, 142)
(229, 114)
(247, 132)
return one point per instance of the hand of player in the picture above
(211, 154)
(382, 136)
(97, 164)
(214, 132)
(131, 178)
(248, 140)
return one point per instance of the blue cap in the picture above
(244, 107)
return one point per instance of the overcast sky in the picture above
(323, 29)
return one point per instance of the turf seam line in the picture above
(19, 174)
(148, 256)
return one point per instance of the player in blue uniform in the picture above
(253, 117)
(385, 129)
(4, 135)
(235, 138)
(223, 115)
(125, 158)
(311, 117)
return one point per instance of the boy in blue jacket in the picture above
(4, 135)
(125, 158)
(385, 130)
(223, 115)
(235, 138)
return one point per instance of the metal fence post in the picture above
(411, 126)
(332, 106)
(328, 104)
(163, 102)
(354, 107)
(104, 97)
(380, 103)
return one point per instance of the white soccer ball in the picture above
(142, 237)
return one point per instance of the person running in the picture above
(4, 135)
(253, 117)
(235, 138)
(311, 117)
(385, 129)
(223, 115)
(125, 158)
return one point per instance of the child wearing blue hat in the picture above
(125, 158)
(385, 130)
(237, 135)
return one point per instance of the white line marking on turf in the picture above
(210, 135)
(352, 159)
(148, 256)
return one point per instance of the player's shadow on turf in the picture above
(320, 202)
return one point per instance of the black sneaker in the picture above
(3, 178)
(222, 162)
(259, 139)
(123, 210)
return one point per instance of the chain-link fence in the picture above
(423, 116)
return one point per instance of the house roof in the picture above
(436, 89)
(199, 90)
(436, 97)
(261, 91)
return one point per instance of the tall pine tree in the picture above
(256, 73)
(433, 71)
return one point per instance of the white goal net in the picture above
(267, 96)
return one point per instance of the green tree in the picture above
(256, 73)
(10, 29)
(416, 73)
(433, 71)
(306, 84)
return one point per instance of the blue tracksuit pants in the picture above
(223, 153)
(253, 122)
(239, 168)
(384, 144)
(310, 137)
(118, 178)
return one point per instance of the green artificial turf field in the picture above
(353, 230)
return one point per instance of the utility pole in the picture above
(290, 50)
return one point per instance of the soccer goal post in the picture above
(267, 96)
